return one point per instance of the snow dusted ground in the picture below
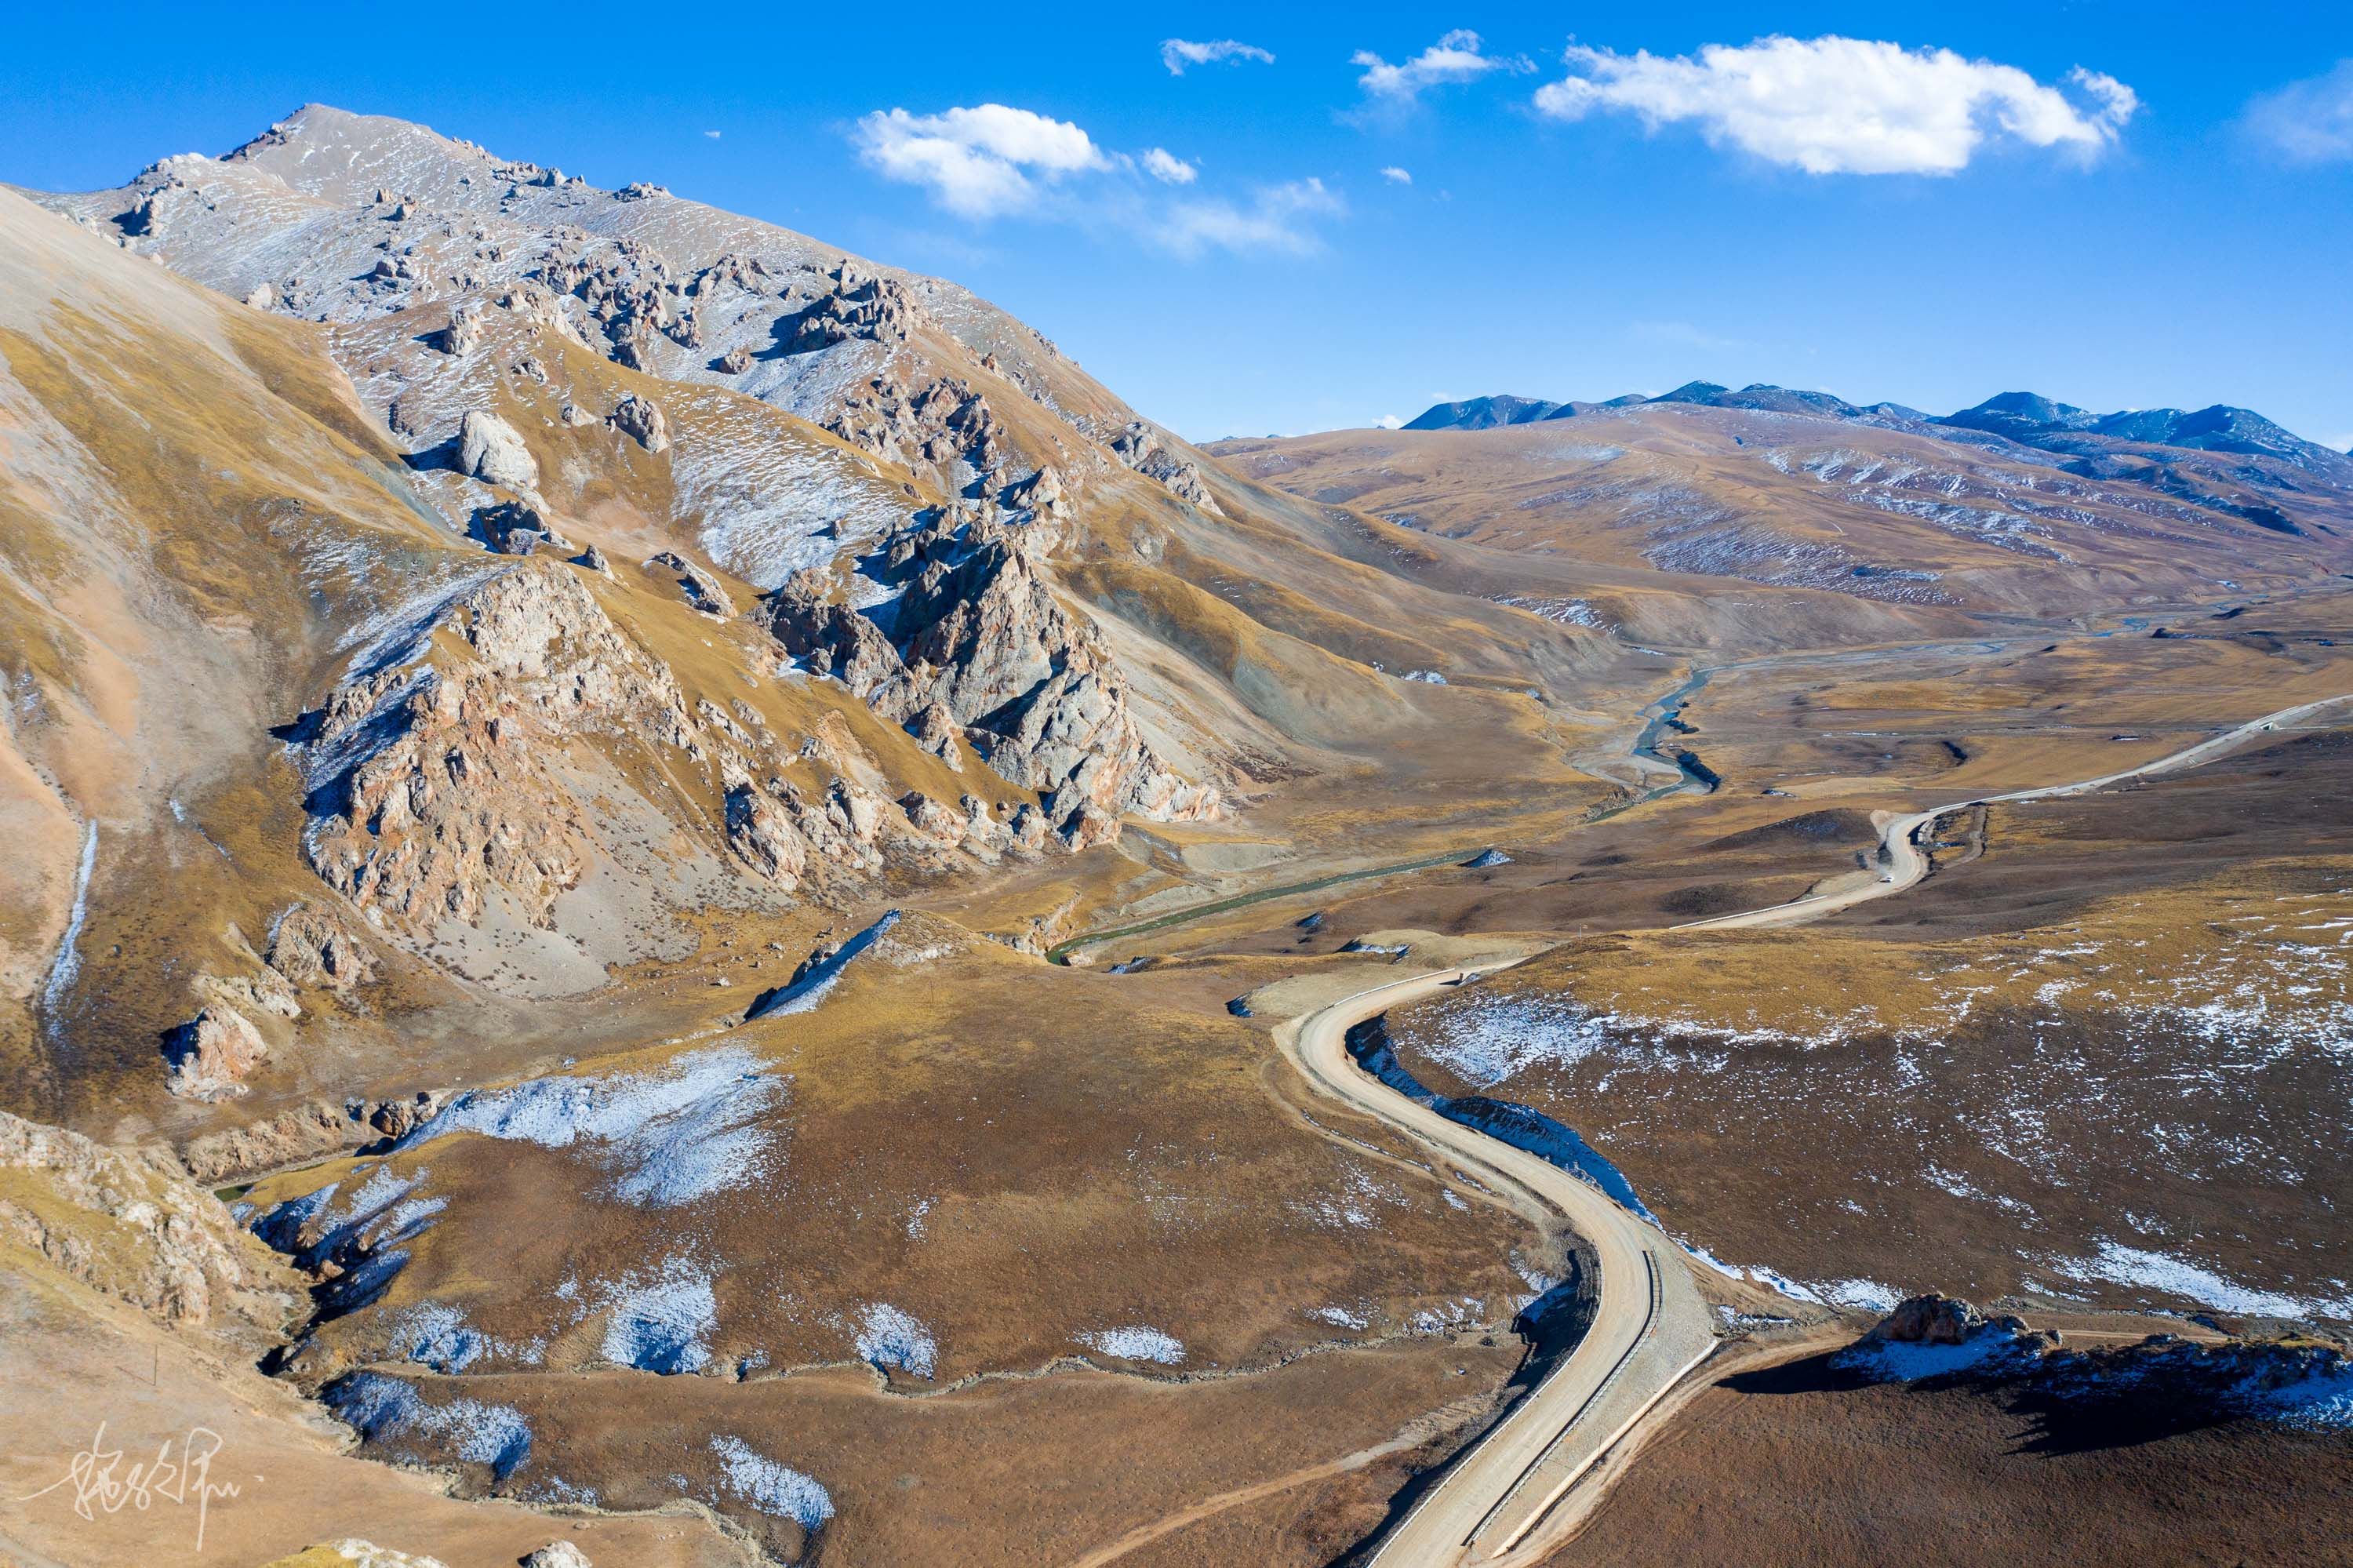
(888, 1338)
(2304, 1385)
(705, 1123)
(387, 1409)
(775, 1489)
(2124, 1125)
(662, 1322)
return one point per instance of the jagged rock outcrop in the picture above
(1140, 448)
(979, 636)
(210, 1055)
(736, 361)
(933, 728)
(702, 590)
(127, 1223)
(493, 452)
(306, 1132)
(309, 945)
(265, 991)
(940, 422)
(446, 772)
(775, 829)
(643, 421)
(875, 308)
(464, 332)
(516, 528)
(1042, 493)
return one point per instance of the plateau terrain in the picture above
(676, 897)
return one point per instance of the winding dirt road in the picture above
(1903, 862)
(1498, 1503)
(1650, 1327)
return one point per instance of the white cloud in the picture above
(1179, 53)
(977, 163)
(1389, 422)
(1277, 218)
(992, 161)
(1169, 169)
(1396, 176)
(1454, 57)
(712, 134)
(2308, 121)
(1834, 105)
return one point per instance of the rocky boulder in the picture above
(210, 1055)
(312, 945)
(643, 421)
(557, 1554)
(1931, 1320)
(493, 452)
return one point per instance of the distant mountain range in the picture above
(2025, 417)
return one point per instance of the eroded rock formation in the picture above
(979, 637)
(447, 774)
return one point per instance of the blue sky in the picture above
(2116, 205)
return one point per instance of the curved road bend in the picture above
(1904, 863)
(1649, 1327)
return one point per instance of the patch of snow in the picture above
(1988, 1350)
(1134, 1344)
(888, 1337)
(385, 1408)
(662, 1325)
(66, 967)
(2121, 1264)
(705, 1123)
(808, 991)
(435, 1334)
(775, 1489)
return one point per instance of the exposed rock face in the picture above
(211, 1054)
(305, 1132)
(939, 422)
(736, 361)
(934, 730)
(979, 636)
(264, 992)
(516, 528)
(464, 332)
(702, 590)
(312, 945)
(778, 830)
(492, 452)
(125, 1222)
(643, 421)
(445, 771)
(1140, 448)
